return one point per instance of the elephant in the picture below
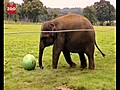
(81, 42)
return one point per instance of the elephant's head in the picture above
(46, 38)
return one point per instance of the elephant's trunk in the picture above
(41, 48)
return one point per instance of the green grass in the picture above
(16, 46)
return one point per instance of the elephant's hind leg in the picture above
(68, 58)
(90, 54)
(83, 60)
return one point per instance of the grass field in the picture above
(16, 46)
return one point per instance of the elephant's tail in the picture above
(99, 49)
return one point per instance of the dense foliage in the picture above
(29, 11)
(90, 12)
(35, 11)
(102, 10)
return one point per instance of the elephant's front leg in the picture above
(57, 48)
(41, 48)
(55, 57)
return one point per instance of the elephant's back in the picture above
(73, 21)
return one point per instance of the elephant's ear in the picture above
(52, 26)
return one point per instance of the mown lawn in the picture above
(16, 46)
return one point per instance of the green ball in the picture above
(29, 62)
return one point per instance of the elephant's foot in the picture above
(92, 67)
(54, 66)
(83, 66)
(73, 65)
(41, 67)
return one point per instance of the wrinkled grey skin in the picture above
(76, 42)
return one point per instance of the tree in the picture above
(52, 15)
(90, 13)
(16, 16)
(32, 9)
(112, 14)
(105, 11)
(19, 11)
(5, 9)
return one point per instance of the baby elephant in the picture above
(81, 42)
